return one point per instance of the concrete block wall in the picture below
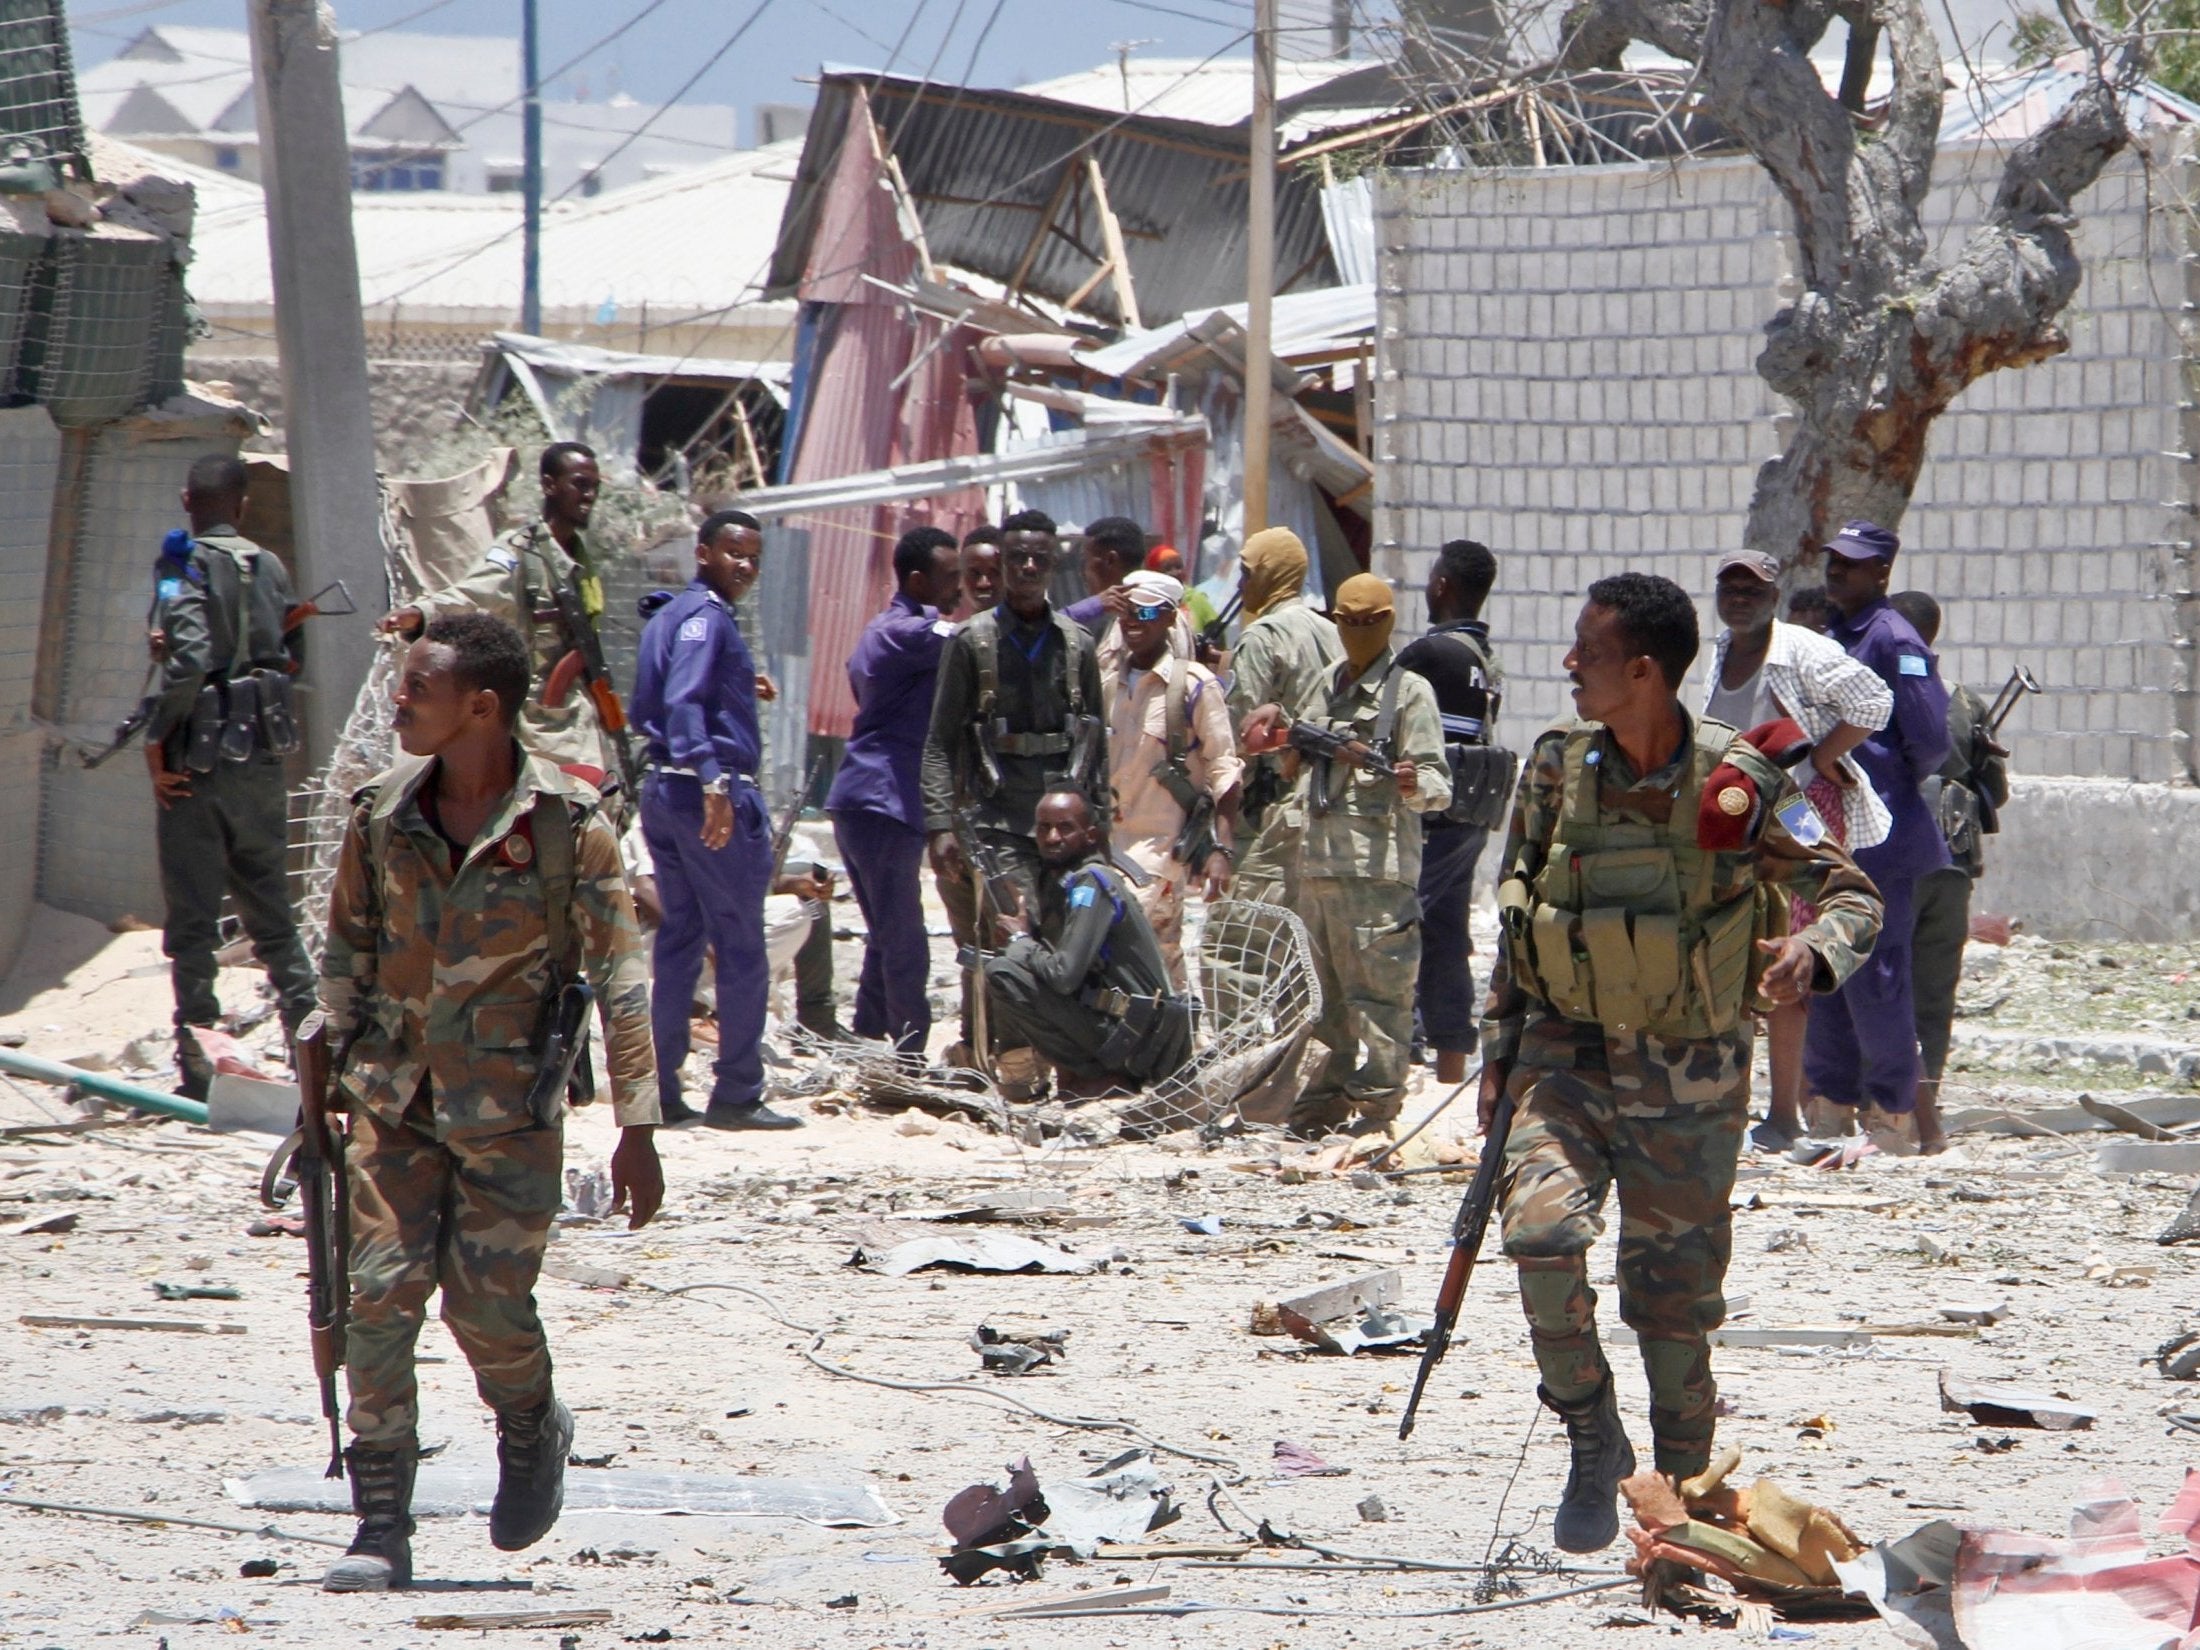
(1566, 371)
(97, 856)
(30, 449)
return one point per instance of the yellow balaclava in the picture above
(1365, 612)
(1275, 570)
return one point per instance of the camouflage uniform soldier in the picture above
(219, 728)
(1639, 874)
(1285, 653)
(461, 879)
(517, 580)
(1358, 860)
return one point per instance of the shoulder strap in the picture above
(1172, 711)
(1076, 642)
(1579, 777)
(1386, 716)
(554, 850)
(985, 638)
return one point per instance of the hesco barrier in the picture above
(38, 107)
(88, 352)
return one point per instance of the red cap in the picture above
(1782, 742)
(1728, 816)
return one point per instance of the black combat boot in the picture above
(380, 1558)
(194, 1071)
(1587, 1520)
(531, 1448)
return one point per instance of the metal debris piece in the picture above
(197, 1291)
(1297, 1461)
(1202, 1225)
(1379, 1330)
(993, 1527)
(45, 1225)
(2186, 1226)
(2008, 1406)
(1018, 1351)
(1107, 1598)
(517, 1618)
(172, 1326)
(1372, 1510)
(1123, 1501)
(1990, 1312)
(2122, 1156)
(2179, 1357)
(1331, 1300)
(980, 1252)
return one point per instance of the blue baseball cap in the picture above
(1864, 541)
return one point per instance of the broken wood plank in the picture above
(170, 1326)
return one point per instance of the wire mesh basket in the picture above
(176, 324)
(88, 352)
(20, 258)
(38, 107)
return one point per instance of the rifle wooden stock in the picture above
(1467, 1232)
(609, 711)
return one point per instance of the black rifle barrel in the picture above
(1467, 1231)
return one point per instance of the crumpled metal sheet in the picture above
(1380, 1329)
(2008, 1406)
(1017, 1527)
(1122, 1502)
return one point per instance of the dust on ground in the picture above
(717, 1382)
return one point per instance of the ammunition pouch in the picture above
(1151, 1035)
(1958, 809)
(1482, 782)
(1264, 788)
(278, 712)
(202, 740)
(1003, 743)
(561, 1051)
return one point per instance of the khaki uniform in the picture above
(1282, 658)
(514, 580)
(1148, 818)
(1620, 998)
(437, 978)
(1357, 844)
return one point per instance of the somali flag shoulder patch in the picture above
(1082, 895)
(1913, 664)
(1802, 821)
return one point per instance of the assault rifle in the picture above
(783, 832)
(1314, 741)
(1467, 1230)
(315, 1155)
(585, 661)
(997, 892)
(1215, 630)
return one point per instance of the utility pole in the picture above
(1260, 265)
(530, 124)
(321, 334)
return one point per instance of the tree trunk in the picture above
(1882, 339)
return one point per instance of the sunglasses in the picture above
(1146, 614)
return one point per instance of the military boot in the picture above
(380, 1557)
(194, 1071)
(531, 1448)
(1587, 1520)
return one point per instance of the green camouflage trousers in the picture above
(1367, 954)
(472, 1216)
(1664, 1124)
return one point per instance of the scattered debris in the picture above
(254, 1568)
(2098, 1270)
(1032, 1206)
(170, 1326)
(2008, 1406)
(1372, 1510)
(1331, 1301)
(2179, 1357)
(2123, 1118)
(1015, 1528)
(1073, 1604)
(130, 1515)
(1379, 1330)
(1203, 1225)
(981, 1252)
(1018, 1351)
(45, 1225)
(587, 1276)
(1297, 1461)
(460, 1489)
(2147, 1157)
(517, 1618)
(197, 1291)
(1978, 1313)
(1766, 1543)
(2186, 1226)
(994, 1528)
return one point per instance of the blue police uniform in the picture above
(877, 807)
(1862, 1041)
(695, 702)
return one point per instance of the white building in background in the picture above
(428, 113)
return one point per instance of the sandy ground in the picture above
(709, 1383)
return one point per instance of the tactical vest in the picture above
(1629, 924)
(1075, 745)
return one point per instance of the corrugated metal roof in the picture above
(2008, 106)
(1216, 92)
(986, 166)
(1300, 324)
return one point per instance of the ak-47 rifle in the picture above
(1314, 740)
(584, 661)
(1467, 1230)
(315, 1154)
(783, 833)
(1215, 630)
(997, 894)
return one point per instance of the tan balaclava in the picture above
(1275, 570)
(1365, 613)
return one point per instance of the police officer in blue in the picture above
(1861, 1046)
(708, 830)
(877, 802)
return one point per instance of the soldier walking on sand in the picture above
(475, 890)
(1643, 847)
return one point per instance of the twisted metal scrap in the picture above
(1253, 973)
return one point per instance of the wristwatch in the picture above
(721, 786)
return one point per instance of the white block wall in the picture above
(1566, 373)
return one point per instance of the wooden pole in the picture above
(1260, 266)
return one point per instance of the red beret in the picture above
(1780, 740)
(1732, 808)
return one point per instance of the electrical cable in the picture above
(1087, 1423)
(1193, 1607)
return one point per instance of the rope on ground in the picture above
(1399, 1145)
(962, 1389)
